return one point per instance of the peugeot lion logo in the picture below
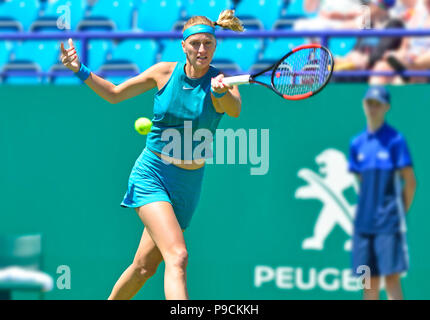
(328, 186)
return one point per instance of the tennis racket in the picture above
(300, 74)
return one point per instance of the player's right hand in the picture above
(219, 86)
(69, 57)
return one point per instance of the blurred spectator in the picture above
(414, 53)
(369, 50)
(332, 14)
(409, 11)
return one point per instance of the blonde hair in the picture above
(226, 20)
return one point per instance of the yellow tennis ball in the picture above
(143, 125)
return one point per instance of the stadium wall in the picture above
(67, 154)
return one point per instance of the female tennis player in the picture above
(165, 190)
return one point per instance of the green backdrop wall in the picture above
(66, 156)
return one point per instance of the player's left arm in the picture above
(231, 102)
(410, 186)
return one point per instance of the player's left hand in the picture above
(218, 85)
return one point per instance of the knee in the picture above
(143, 271)
(177, 258)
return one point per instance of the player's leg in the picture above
(144, 266)
(393, 287)
(164, 229)
(372, 292)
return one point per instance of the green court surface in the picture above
(67, 154)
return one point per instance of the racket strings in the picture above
(304, 71)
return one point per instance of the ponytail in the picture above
(227, 20)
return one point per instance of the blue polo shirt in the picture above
(377, 157)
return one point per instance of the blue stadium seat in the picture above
(10, 25)
(286, 22)
(210, 9)
(5, 49)
(265, 10)
(119, 11)
(96, 24)
(294, 7)
(261, 65)
(47, 24)
(227, 66)
(69, 79)
(30, 67)
(158, 15)
(55, 9)
(117, 71)
(65, 81)
(142, 53)
(24, 12)
(251, 23)
(172, 51)
(243, 51)
(42, 52)
(341, 46)
(275, 49)
(98, 52)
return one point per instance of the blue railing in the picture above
(325, 36)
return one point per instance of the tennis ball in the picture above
(143, 125)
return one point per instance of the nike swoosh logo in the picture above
(187, 88)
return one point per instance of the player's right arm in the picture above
(109, 91)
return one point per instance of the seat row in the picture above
(136, 55)
(149, 15)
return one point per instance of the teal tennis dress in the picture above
(183, 106)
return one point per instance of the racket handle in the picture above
(237, 80)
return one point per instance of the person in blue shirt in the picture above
(380, 157)
(164, 187)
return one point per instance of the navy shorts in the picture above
(153, 179)
(384, 254)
